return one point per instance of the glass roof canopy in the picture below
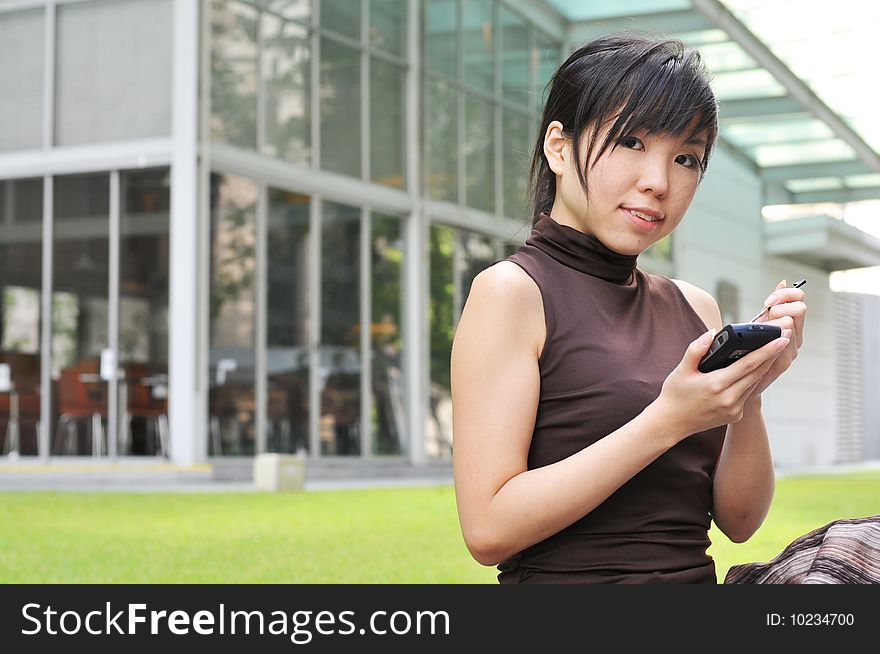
(784, 130)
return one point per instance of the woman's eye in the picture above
(631, 142)
(687, 160)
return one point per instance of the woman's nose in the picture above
(654, 178)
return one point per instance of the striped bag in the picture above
(841, 552)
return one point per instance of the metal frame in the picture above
(113, 319)
(801, 100)
(366, 88)
(415, 282)
(121, 155)
(43, 438)
(315, 230)
(723, 18)
(366, 309)
(199, 418)
(315, 225)
(261, 302)
(186, 426)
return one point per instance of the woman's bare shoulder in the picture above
(507, 292)
(702, 302)
(508, 277)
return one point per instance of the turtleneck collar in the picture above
(583, 252)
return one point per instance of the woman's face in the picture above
(638, 191)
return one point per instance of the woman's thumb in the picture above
(698, 347)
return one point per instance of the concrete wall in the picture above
(721, 240)
(858, 368)
(872, 375)
(801, 407)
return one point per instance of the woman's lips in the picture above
(647, 223)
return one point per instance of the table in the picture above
(158, 384)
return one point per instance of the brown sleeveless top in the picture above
(614, 333)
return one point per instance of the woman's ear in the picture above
(557, 147)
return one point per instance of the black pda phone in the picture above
(736, 340)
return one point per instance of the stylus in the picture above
(765, 309)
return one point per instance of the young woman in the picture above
(587, 446)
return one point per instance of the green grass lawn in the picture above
(406, 535)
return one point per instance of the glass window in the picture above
(862, 181)
(143, 312)
(814, 184)
(727, 293)
(388, 419)
(661, 250)
(231, 403)
(514, 58)
(726, 56)
(286, 69)
(515, 154)
(442, 38)
(387, 123)
(22, 44)
(342, 16)
(113, 70)
(441, 139)
(80, 283)
(441, 304)
(298, 10)
(388, 25)
(546, 60)
(477, 42)
(747, 134)
(476, 254)
(340, 330)
(21, 244)
(340, 108)
(508, 247)
(234, 73)
(287, 335)
(782, 154)
(758, 83)
(21, 201)
(479, 151)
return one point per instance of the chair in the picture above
(80, 400)
(231, 418)
(278, 427)
(26, 405)
(20, 405)
(142, 403)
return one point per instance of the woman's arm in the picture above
(744, 479)
(504, 507)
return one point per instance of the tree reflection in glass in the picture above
(389, 406)
(340, 330)
(231, 372)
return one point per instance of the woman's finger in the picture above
(752, 364)
(745, 384)
(797, 311)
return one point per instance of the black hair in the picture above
(654, 85)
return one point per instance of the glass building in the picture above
(241, 226)
(230, 227)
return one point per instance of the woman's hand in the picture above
(788, 310)
(695, 401)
